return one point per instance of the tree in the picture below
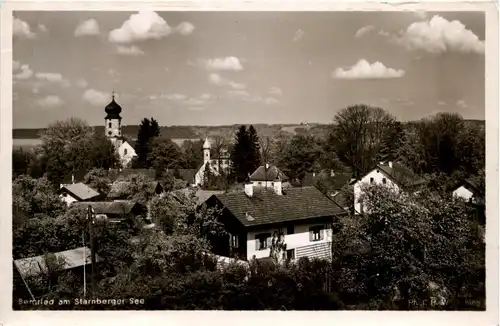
(98, 180)
(138, 189)
(301, 154)
(358, 134)
(148, 131)
(254, 158)
(165, 154)
(67, 145)
(103, 153)
(32, 197)
(21, 161)
(239, 155)
(266, 146)
(278, 247)
(406, 249)
(193, 153)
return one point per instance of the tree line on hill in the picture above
(408, 252)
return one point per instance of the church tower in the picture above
(113, 122)
(206, 151)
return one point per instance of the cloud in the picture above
(275, 91)
(50, 101)
(441, 103)
(364, 70)
(129, 50)
(207, 97)
(174, 97)
(22, 29)
(270, 101)
(298, 35)
(194, 102)
(363, 31)
(82, 83)
(227, 63)
(144, 25)
(42, 28)
(16, 65)
(238, 93)
(24, 71)
(216, 79)
(96, 98)
(439, 35)
(53, 78)
(420, 14)
(383, 33)
(185, 28)
(88, 28)
(35, 89)
(461, 104)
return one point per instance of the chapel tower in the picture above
(206, 151)
(113, 122)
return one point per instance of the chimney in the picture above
(72, 178)
(332, 173)
(390, 164)
(267, 166)
(249, 189)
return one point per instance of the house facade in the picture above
(300, 217)
(217, 164)
(392, 175)
(469, 190)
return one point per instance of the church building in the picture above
(113, 131)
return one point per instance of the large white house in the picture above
(113, 131)
(302, 216)
(266, 175)
(393, 175)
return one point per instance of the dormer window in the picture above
(384, 180)
(125, 151)
(371, 180)
(109, 125)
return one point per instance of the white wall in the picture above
(198, 178)
(67, 198)
(270, 184)
(115, 128)
(378, 177)
(299, 238)
(463, 192)
(126, 158)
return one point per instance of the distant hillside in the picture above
(199, 132)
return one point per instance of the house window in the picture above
(290, 229)
(290, 254)
(259, 183)
(384, 181)
(109, 125)
(316, 233)
(125, 151)
(371, 180)
(272, 184)
(262, 241)
(234, 241)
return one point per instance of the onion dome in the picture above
(113, 110)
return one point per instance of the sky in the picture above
(219, 68)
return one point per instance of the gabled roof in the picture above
(336, 182)
(201, 195)
(32, 266)
(271, 175)
(402, 175)
(119, 186)
(473, 184)
(107, 207)
(80, 191)
(266, 207)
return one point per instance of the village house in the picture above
(390, 174)
(78, 192)
(266, 175)
(119, 188)
(301, 216)
(334, 181)
(116, 212)
(469, 190)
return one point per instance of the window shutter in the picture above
(311, 235)
(322, 234)
(257, 243)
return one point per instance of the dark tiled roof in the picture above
(271, 175)
(404, 176)
(118, 187)
(105, 207)
(336, 182)
(201, 195)
(114, 174)
(266, 207)
(80, 191)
